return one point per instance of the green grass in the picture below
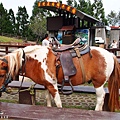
(9, 39)
(8, 101)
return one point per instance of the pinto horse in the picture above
(43, 66)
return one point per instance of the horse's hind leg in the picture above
(100, 93)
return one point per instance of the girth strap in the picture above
(81, 64)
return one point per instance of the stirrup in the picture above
(62, 88)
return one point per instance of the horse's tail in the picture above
(113, 86)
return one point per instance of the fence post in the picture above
(6, 49)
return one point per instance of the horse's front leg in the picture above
(53, 89)
(48, 98)
(100, 93)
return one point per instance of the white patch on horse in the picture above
(40, 54)
(108, 59)
(100, 93)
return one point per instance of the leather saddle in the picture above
(65, 54)
(66, 59)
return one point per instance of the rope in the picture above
(31, 89)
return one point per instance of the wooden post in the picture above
(0, 94)
(6, 49)
(26, 98)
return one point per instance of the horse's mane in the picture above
(28, 49)
(15, 58)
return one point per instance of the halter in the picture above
(9, 78)
(3, 88)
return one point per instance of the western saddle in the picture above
(64, 54)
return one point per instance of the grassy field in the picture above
(9, 39)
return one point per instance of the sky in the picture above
(8, 4)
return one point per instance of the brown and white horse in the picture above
(39, 63)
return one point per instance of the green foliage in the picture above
(113, 18)
(22, 22)
(38, 25)
(82, 6)
(97, 8)
(41, 11)
(3, 19)
(11, 19)
(70, 2)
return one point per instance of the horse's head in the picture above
(3, 74)
(10, 66)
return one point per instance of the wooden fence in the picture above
(6, 48)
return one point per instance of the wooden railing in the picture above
(4, 48)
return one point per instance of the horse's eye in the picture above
(1, 76)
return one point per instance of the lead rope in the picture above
(30, 89)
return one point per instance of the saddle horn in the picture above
(57, 41)
(76, 42)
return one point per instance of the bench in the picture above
(26, 98)
(36, 112)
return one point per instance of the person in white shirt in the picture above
(46, 42)
(114, 44)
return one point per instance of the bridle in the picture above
(9, 78)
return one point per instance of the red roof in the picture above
(71, 27)
(114, 27)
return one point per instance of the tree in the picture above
(89, 8)
(22, 22)
(38, 26)
(97, 8)
(3, 19)
(118, 17)
(70, 2)
(75, 3)
(82, 5)
(37, 10)
(113, 18)
(11, 19)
